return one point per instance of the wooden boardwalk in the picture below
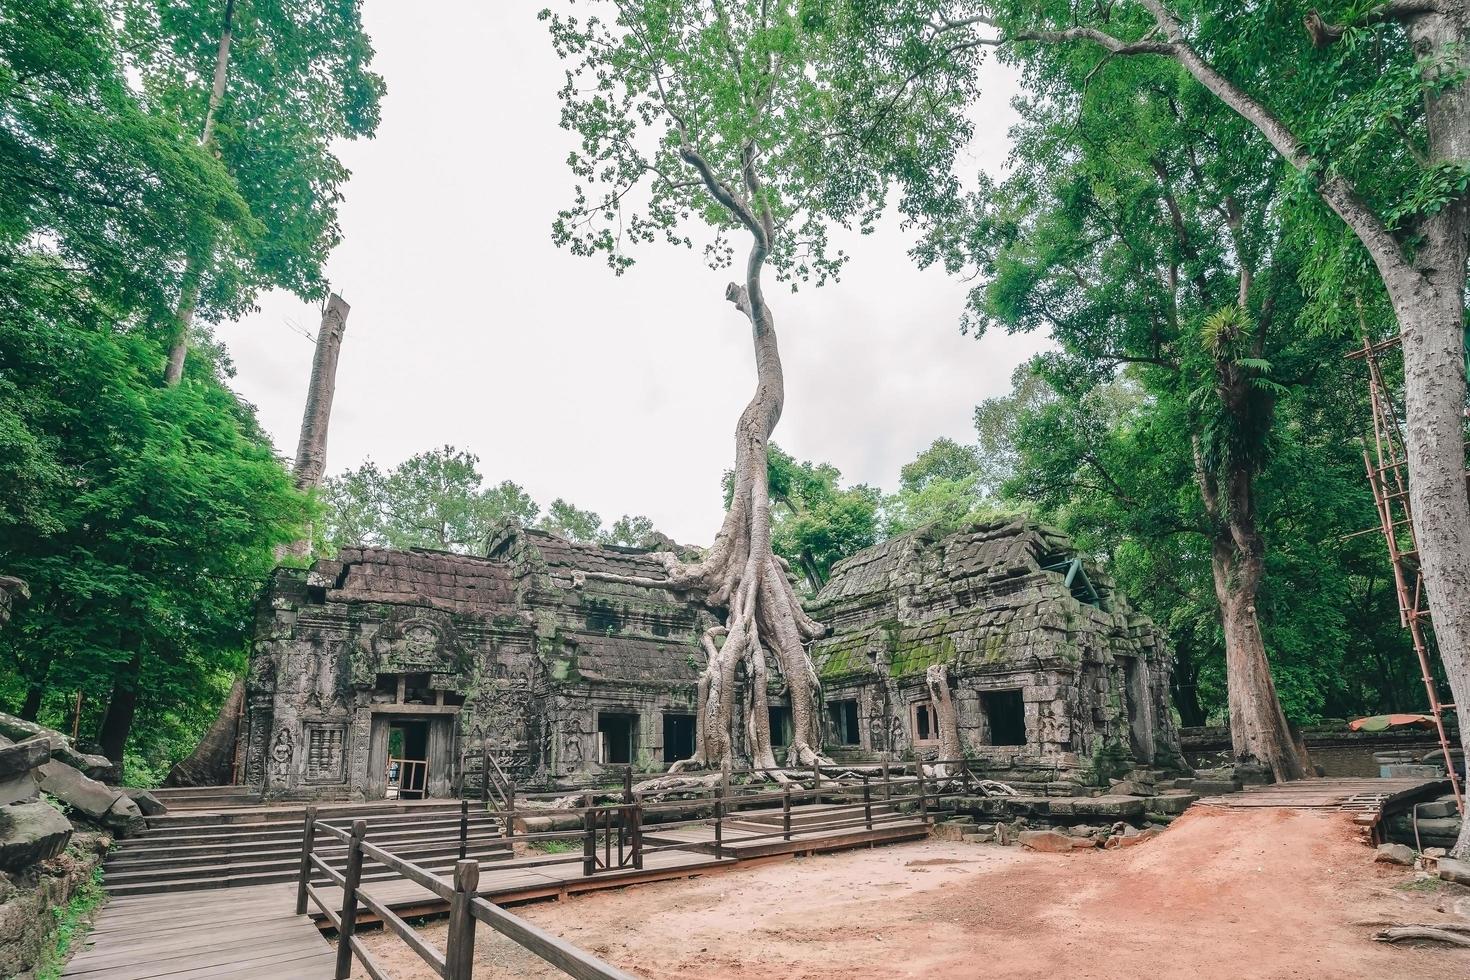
(253, 933)
(246, 933)
(1368, 799)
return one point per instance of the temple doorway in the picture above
(410, 757)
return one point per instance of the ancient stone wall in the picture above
(517, 651)
(1070, 660)
(559, 673)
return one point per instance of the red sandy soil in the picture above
(1224, 893)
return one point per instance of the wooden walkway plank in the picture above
(239, 933)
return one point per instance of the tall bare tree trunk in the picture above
(740, 573)
(311, 447)
(1258, 730)
(193, 268)
(117, 720)
(1430, 305)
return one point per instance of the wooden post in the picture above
(510, 810)
(923, 792)
(786, 811)
(307, 843)
(867, 802)
(348, 918)
(887, 789)
(720, 822)
(589, 836)
(464, 827)
(459, 954)
(816, 782)
(638, 835)
(485, 772)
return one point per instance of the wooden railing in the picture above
(466, 908)
(853, 798)
(495, 786)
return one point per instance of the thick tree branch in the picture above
(1325, 35)
(1336, 190)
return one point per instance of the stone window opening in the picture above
(924, 723)
(1005, 716)
(617, 734)
(844, 717)
(678, 737)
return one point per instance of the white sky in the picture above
(468, 326)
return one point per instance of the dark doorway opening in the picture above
(678, 737)
(844, 718)
(1135, 690)
(780, 726)
(1005, 714)
(616, 735)
(408, 760)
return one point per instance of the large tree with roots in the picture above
(718, 112)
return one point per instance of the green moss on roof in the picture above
(917, 658)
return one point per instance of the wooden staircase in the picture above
(235, 846)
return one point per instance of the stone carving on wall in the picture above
(281, 756)
(255, 749)
(423, 643)
(326, 691)
(324, 755)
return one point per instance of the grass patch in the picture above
(1421, 885)
(554, 846)
(73, 922)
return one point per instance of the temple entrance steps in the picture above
(196, 850)
(205, 797)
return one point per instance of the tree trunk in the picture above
(1429, 302)
(740, 573)
(189, 295)
(117, 721)
(936, 680)
(311, 448)
(1258, 730)
(32, 704)
(212, 761)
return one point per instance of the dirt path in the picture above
(1257, 894)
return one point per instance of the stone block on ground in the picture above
(1129, 787)
(1170, 803)
(1113, 807)
(1214, 787)
(31, 833)
(77, 790)
(18, 789)
(1053, 841)
(1395, 854)
(1126, 839)
(93, 766)
(125, 817)
(1453, 870)
(21, 757)
(1438, 808)
(147, 802)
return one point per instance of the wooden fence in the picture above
(853, 799)
(466, 908)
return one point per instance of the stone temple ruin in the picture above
(391, 672)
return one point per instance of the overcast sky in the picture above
(468, 327)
